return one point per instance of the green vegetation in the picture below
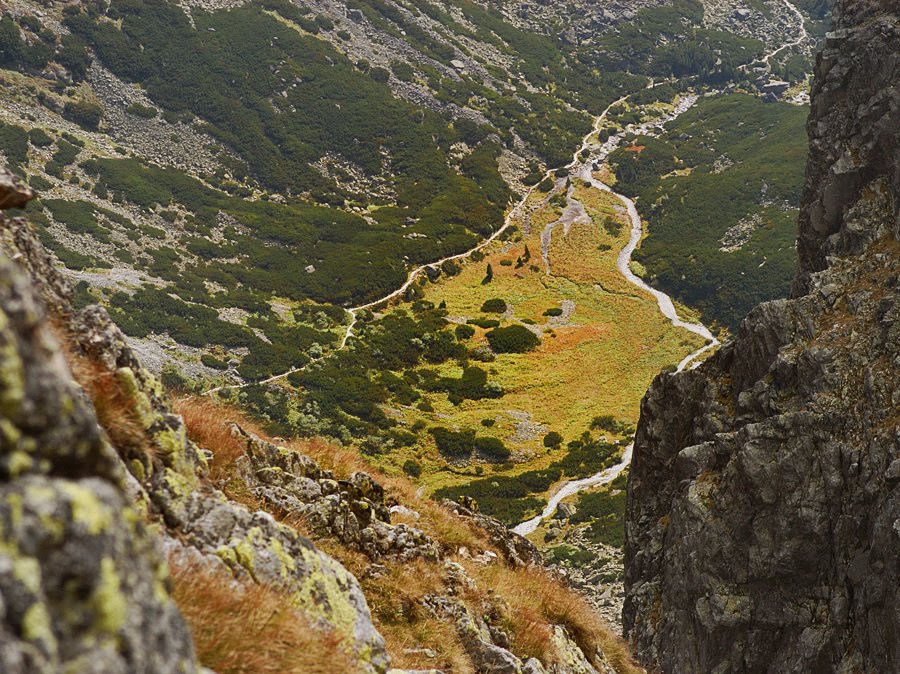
(412, 468)
(605, 511)
(329, 106)
(494, 306)
(513, 339)
(570, 554)
(746, 162)
(140, 110)
(14, 145)
(553, 440)
(514, 498)
(86, 114)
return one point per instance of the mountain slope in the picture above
(100, 479)
(306, 154)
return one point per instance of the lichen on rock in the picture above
(81, 580)
(49, 433)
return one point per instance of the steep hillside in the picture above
(721, 193)
(101, 481)
(761, 530)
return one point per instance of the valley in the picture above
(452, 242)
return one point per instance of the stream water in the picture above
(583, 169)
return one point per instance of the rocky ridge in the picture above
(762, 519)
(166, 483)
(81, 578)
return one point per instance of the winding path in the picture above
(666, 306)
(803, 37)
(414, 273)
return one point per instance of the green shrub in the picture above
(412, 468)
(453, 444)
(324, 22)
(464, 332)
(380, 74)
(553, 440)
(213, 362)
(39, 138)
(39, 183)
(570, 554)
(513, 339)
(143, 111)
(555, 311)
(485, 323)
(609, 423)
(494, 306)
(403, 71)
(606, 512)
(492, 448)
(84, 113)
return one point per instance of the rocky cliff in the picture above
(82, 583)
(763, 518)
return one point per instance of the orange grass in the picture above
(251, 629)
(525, 602)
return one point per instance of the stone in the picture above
(167, 485)
(13, 192)
(516, 549)
(82, 583)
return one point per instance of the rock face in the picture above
(353, 511)
(82, 584)
(517, 550)
(763, 518)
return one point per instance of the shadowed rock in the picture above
(763, 513)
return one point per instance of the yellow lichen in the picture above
(36, 625)
(108, 602)
(12, 371)
(28, 572)
(19, 463)
(87, 509)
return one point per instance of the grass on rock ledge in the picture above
(525, 602)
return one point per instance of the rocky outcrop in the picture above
(853, 134)
(763, 518)
(516, 549)
(82, 583)
(101, 544)
(353, 511)
(488, 645)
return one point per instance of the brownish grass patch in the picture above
(527, 602)
(113, 406)
(535, 601)
(251, 629)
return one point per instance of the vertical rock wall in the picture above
(763, 517)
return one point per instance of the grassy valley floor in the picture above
(596, 356)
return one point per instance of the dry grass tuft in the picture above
(209, 425)
(251, 629)
(535, 601)
(113, 406)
